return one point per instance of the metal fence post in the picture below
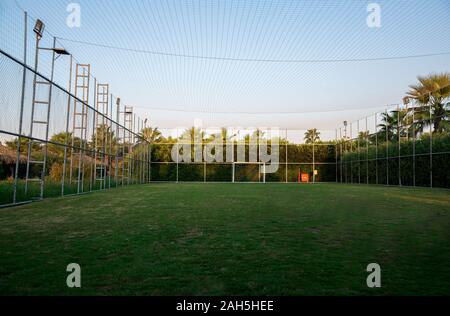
(399, 124)
(340, 152)
(376, 149)
(286, 157)
(359, 151)
(63, 178)
(116, 169)
(336, 152)
(351, 153)
(44, 167)
(387, 148)
(414, 144)
(204, 171)
(367, 152)
(431, 146)
(93, 179)
(150, 162)
(111, 139)
(264, 172)
(138, 158)
(22, 101)
(313, 156)
(178, 152)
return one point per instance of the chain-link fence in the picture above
(407, 145)
(246, 155)
(53, 143)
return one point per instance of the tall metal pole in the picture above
(178, 152)
(258, 162)
(376, 148)
(367, 152)
(264, 172)
(133, 159)
(136, 143)
(204, 171)
(399, 146)
(110, 135)
(414, 144)
(345, 152)
(150, 152)
(123, 146)
(63, 179)
(336, 153)
(313, 156)
(351, 153)
(141, 152)
(143, 155)
(340, 151)
(93, 178)
(359, 152)
(387, 147)
(22, 101)
(286, 157)
(36, 62)
(44, 171)
(232, 159)
(116, 169)
(431, 145)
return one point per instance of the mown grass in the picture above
(230, 239)
(51, 189)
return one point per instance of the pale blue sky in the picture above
(248, 29)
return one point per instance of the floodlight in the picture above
(39, 28)
(60, 51)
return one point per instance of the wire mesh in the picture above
(108, 146)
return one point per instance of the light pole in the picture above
(345, 129)
(39, 31)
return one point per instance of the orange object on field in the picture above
(305, 177)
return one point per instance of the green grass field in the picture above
(230, 239)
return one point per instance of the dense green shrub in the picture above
(405, 163)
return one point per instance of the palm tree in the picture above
(151, 135)
(192, 133)
(226, 136)
(312, 136)
(363, 137)
(416, 118)
(432, 91)
(393, 123)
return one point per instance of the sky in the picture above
(289, 64)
